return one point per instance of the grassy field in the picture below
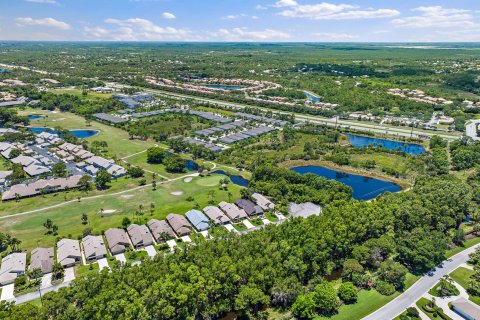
(140, 160)
(368, 301)
(117, 139)
(78, 93)
(461, 276)
(29, 228)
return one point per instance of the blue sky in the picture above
(241, 20)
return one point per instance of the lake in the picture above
(311, 96)
(363, 141)
(79, 133)
(221, 86)
(236, 179)
(364, 188)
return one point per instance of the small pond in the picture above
(311, 96)
(79, 133)
(35, 116)
(364, 188)
(363, 141)
(236, 179)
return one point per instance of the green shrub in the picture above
(384, 288)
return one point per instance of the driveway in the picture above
(172, 244)
(103, 263)
(266, 221)
(205, 234)
(248, 224)
(121, 257)
(186, 239)
(151, 251)
(46, 281)
(69, 275)
(7, 292)
(229, 227)
(421, 287)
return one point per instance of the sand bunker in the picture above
(108, 211)
(127, 196)
(188, 179)
(176, 193)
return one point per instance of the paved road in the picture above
(36, 294)
(420, 288)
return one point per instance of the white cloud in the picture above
(243, 34)
(45, 22)
(436, 16)
(43, 1)
(168, 15)
(238, 16)
(285, 3)
(331, 11)
(136, 29)
(333, 36)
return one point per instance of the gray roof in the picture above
(68, 252)
(117, 240)
(43, 259)
(250, 208)
(157, 227)
(109, 118)
(179, 224)
(12, 266)
(140, 235)
(263, 202)
(35, 188)
(198, 219)
(93, 247)
(304, 209)
(232, 211)
(466, 308)
(216, 215)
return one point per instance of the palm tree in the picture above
(48, 225)
(14, 242)
(84, 218)
(57, 271)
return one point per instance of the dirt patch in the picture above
(176, 193)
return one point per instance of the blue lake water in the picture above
(222, 86)
(190, 165)
(364, 188)
(35, 116)
(236, 179)
(362, 141)
(79, 133)
(311, 96)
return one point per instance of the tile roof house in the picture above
(263, 202)
(35, 188)
(250, 208)
(94, 247)
(117, 240)
(198, 220)
(179, 224)
(216, 215)
(13, 266)
(68, 252)
(232, 211)
(140, 235)
(161, 230)
(43, 259)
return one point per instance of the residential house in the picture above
(13, 266)
(43, 259)
(232, 211)
(198, 220)
(94, 248)
(216, 215)
(250, 208)
(140, 235)
(160, 230)
(117, 240)
(68, 252)
(263, 202)
(179, 224)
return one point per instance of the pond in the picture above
(35, 116)
(364, 188)
(222, 86)
(190, 165)
(236, 179)
(363, 141)
(79, 133)
(311, 96)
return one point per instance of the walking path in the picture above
(421, 287)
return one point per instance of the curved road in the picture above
(421, 287)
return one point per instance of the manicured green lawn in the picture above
(368, 301)
(467, 244)
(140, 160)
(117, 139)
(29, 228)
(461, 276)
(84, 270)
(422, 302)
(434, 291)
(78, 93)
